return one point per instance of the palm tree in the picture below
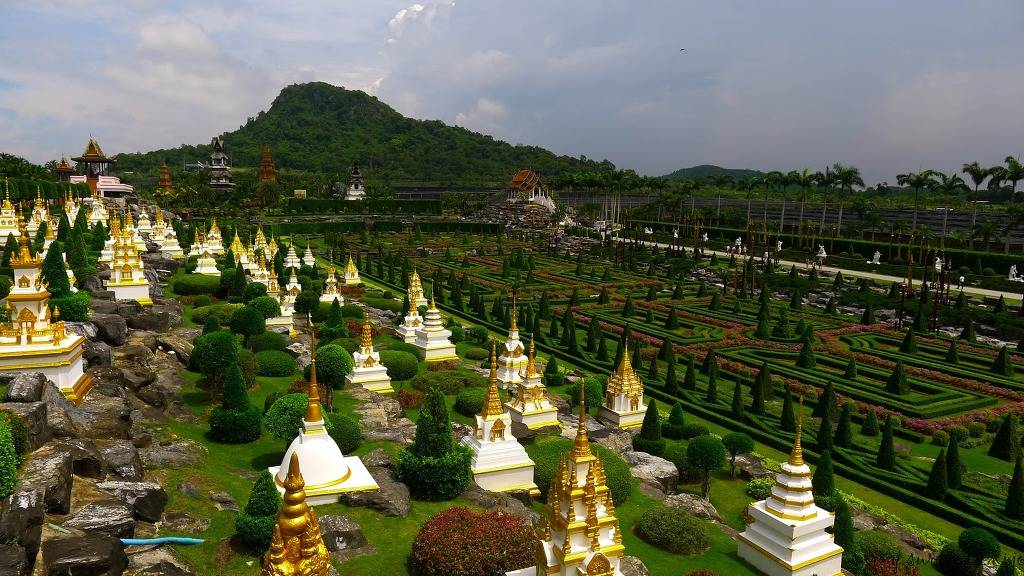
(948, 185)
(917, 181)
(977, 175)
(804, 179)
(749, 185)
(1014, 172)
(825, 181)
(847, 177)
(771, 180)
(985, 229)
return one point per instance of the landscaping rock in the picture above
(86, 459)
(181, 347)
(632, 566)
(137, 353)
(122, 460)
(149, 319)
(110, 328)
(182, 522)
(614, 439)
(173, 454)
(752, 466)
(224, 501)
(101, 416)
(188, 489)
(695, 505)
(377, 458)
(142, 338)
(343, 537)
(111, 517)
(653, 470)
(97, 353)
(26, 387)
(156, 562)
(513, 504)
(13, 560)
(59, 411)
(33, 416)
(299, 351)
(92, 554)
(391, 500)
(21, 522)
(147, 499)
(50, 471)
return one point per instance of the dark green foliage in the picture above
(54, 273)
(824, 480)
(968, 332)
(782, 329)
(886, 458)
(345, 432)
(307, 302)
(737, 443)
(795, 301)
(737, 409)
(1015, 494)
(760, 389)
(1006, 443)
(870, 426)
(673, 427)
(401, 365)
(979, 545)
(649, 438)
(628, 309)
(434, 467)
(690, 379)
(235, 421)
(73, 307)
(711, 395)
(826, 402)
(843, 531)
(787, 420)
(851, 370)
(938, 481)
(211, 324)
(652, 370)
(1008, 567)
(8, 457)
(547, 453)
(706, 454)
(710, 364)
(248, 322)
(266, 341)
(762, 330)
(824, 440)
(213, 354)
(868, 317)
(333, 363)
(952, 355)
(195, 284)
(671, 382)
(844, 431)
(284, 418)
(909, 344)
(254, 525)
(593, 392)
(671, 322)
(1002, 365)
(806, 358)
(897, 382)
(953, 474)
(274, 363)
(469, 401)
(952, 561)
(674, 530)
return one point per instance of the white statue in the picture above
(704, 237)
(960, 283)
(778, 246)
(648, 231)
(821, 252)
(877, 259)
(764, 256)
(738, 242)
(1013, 274)
(675, 233)
(938, 264)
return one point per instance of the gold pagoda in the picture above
(351, 273)
(529, 404)
(624, 400)
(267, 171)
(297, 547)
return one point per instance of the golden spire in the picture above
(367, 335)
(492, 404)
(24, 256)
(313, 413)
(624, 379)
(7, 196)
(531, 362)
(796, 457)
(297, 546)
(515, 326)
(433, 304)
(581, 445)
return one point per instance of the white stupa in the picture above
(529, 404)
(114, 235)
(330, 291)
(287, 318)
(71, 207)
(307, 257)
(127, 273)
(98, 210)
(512, 360)
(789, 533)
(40, 213)
(433, 338)
(214, 240)
(292, 289)
(49, 236)
(411, 323)
(368, 372)
(261, 274)
(8, 218)
(500, 463)
(624, 399)
(351, 273)
(415, 291)
(206, 265)
(167, 238)
(32, 340)
(327, 472)
(291, 260)
(144, 226)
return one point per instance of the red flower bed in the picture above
(460, 542)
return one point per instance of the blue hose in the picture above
(162, 540)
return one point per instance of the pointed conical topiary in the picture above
(826, 402)
(909, 344)
(254, 525)
(737, 410)
(781, 329)
(673, 427)
(953, 475)
(1002, 365)
(806, 358)
(762, 330)
(868, 317)
(844, 431)
(952, 355)
(897, 382)
(710, 362)
(787, 419)
(968, 332)
(671, 381)
(938, 483)
(823, 480)
(886, 458)
(851, 369)
(690, 379)
(711, 396)
(757, 390)
(1015, 494)
(649, 438)
(824, 440)
(853, 558)
(1006, 442)
(671, 322)
(870, 426)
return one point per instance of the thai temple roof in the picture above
(93, 153)
(524, 179)
(624, 380)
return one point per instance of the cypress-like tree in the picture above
(603, 297)
(868, 317)
(628, 309)
(795, 301)
(870, 426)
(953, 478)
(787, 421)
(781, 329)
(553, 330)
(757, 391)
(897, 382)
(649, 438)
(968, 332)
(826, 402)
(1000, 306)
(593, 333)
(824, 440)
(938, 482)
(851, 369)
(844, 431)
(673, 428)
(1006, 443)
(652, 369)
(671, 382)
(823, 480)
(1008, 567)
(909, 344)
(677, 291)
(1002, 365)
(712, 392)
(737, 401)
(886, 459)
(806, 358)
(690, 379)
(762, 330)
(671, 322)
(54, 273)
(843, 531)
(255, 523)
(235, 421)
(544, 307)
(710, 362)
(665, 351)
(1015, 494)
(602, 348)
(952, 355)
(831, 306)
(637, 357)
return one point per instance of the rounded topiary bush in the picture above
(593, 391)
(760, 488)
(401, 365)
(469, 401)
(274, 363)
(547, 451)
(673, 529)
(459, 541)
(401, 347)
(284, 419)
(940, 438)
(235, 426)
(352, 311)
(952, 561)
(345, 432)
(201, 301)
(267, 341)
(476, 354)
(692, 430)
(333, 363)
(222, 310)
(449, 382)
(195, 284)
(265, 305)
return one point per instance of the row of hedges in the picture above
(339, 206)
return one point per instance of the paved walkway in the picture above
(859, 273)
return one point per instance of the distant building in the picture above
(298, 194)
(268, 172)
(63, 169)
(220, 166)
(526, 187)
(95, 164)
(356, 190)
(164, 186)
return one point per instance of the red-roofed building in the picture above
(526, 186)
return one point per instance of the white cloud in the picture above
(486, 116)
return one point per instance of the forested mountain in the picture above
(318, 127)
(704, 170)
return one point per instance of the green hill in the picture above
(321, 128)
(705, 170)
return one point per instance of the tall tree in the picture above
(977, 174)
(918, 181)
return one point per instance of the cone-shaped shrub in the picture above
(851, 369)
(737, 410)
(909, 344)
(235, 421)
(952, 355)
(953, 478)
(671, 381)
(781, 329)
(897, 382)
(710, 362)
(711, 395)
(671, 322)
(824, 440)
(757, 390)
(844, 431)
(690, 379)
(886, 459)
(628, 309)
(806, 358)
(870, 426)
(434, 467)
(968, 332)
(1002, 365)
(254, 525)
(673, 427)
(868, 317)
(762, 330)
(938, 482)
(649, 438)
(853, 558)
(824, 481)
(1006, 443)
(795, 302)
(826, 403)
(1015, 495)
(787, 420)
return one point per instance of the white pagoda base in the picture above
(285, 322)
(131, 291)
(787, 547)
(172, 249)
(327, 473)
(626, 419)
(509, 370)
(534, 418)
(330, 298)
(436, 350)
(207, 267)
(63, 365)
(501, 466)
(407, 331)
(374, 379)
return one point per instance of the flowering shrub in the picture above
(410, 399)
(459, 541)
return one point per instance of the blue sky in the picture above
(887, 86)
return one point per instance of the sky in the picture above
(886, 86)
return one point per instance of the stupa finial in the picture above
(492, 404)
(313, 412)
(796, 456)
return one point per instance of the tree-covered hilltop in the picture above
(705, 170)
(318, 127)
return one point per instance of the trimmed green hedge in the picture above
(274, 363)
(548, 451)
(196, 284)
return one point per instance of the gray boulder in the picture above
(94, 286)
(343, 537)
(147, 499)
(181, 347)
(392, 499)
(101, 416)
(156, 562)
(695, 505)
(111, 517)
(21, 522)
(224, 501)
(97, 353)
(653, 470)
(110, 328)
(26, 387)
(93, 554)
(175, 454)
(633, 566)
(33, 416)
(86, 459)
(152, 320)
(122, 459)
(50, 471)
(612, 438)
(59, 411)
(13, 560)
(183, 522)
(513, 503)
